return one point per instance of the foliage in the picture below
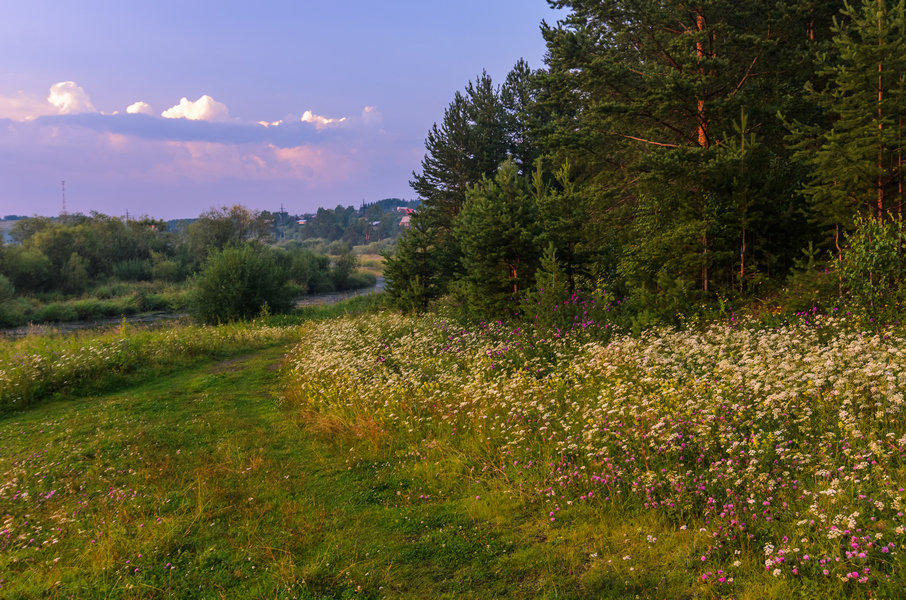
(57, 263)
(413, 271)
(28, 268)
(481, 127)
(75, 274)
(133, 270)
(496, 232)
(236, 283)
(856, 160)
(217, 228)
(872, 266)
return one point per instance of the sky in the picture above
(168, 109)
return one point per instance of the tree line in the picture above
(226, 248)
(674, 153)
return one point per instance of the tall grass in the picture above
(38, 366)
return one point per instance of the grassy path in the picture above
(201, 485)
(195, 485)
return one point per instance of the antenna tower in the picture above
(63, 190)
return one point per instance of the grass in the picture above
(726, 461)
(404, 457)
(371, 263)
(203, 485)
(103, 301)
(35, 367)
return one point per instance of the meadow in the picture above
(38, 366)
(349, 454)
(737, 460)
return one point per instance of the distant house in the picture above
(404, 210)
(301, 222)
(405, 221)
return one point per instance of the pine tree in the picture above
(497, 231)
(478, 132)
(856, 161)
(642, 95)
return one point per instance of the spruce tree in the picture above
(480, 129)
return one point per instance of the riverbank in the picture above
(151, 318)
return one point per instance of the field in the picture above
(395, 456)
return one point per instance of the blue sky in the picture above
(169, 108)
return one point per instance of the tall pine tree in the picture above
(642, 96)
(481, 128)
(857, 161)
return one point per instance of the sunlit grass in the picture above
(37, 366)
(407, 457)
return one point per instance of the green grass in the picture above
(255, 477)
(203, 485)
(103, 301)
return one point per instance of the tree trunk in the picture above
(703, 140)
(880, 179)
(839, 260)
(705, 261)
(742, 258)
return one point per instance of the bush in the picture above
(134, 269)
(237, 283)
(873, 265)
(343, 267)
(28, 269)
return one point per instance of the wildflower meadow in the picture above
(751, 455)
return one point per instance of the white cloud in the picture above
(139, 108)
(271, 123)
(319, 121)
(65, 98)
(203, 109)
(69, 98)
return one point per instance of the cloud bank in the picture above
(192, 143)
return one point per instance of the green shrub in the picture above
(12, 309)
(57, 311)
(342, 270)
(28, 268)
(236, 283)
(872, 266)
(134, 269)
(357, 281)
(75, 274)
